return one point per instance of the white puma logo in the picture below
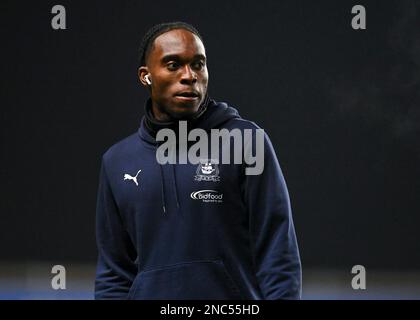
(129, 177)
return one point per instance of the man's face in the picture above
(178, 72)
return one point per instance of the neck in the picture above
(156, 120)
(159, 115)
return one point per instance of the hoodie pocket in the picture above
(205, 279)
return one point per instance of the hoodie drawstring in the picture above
(162, 189)
(175, 187)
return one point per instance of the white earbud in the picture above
(146, 77)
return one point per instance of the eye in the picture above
(198, 65)
(172, 65)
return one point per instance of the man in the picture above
(190, 231)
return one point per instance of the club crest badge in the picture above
(207, 170)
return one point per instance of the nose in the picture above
(188, 75)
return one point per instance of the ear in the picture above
(141, 73)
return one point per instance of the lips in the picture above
(188, 94)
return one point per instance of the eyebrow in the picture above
(170, 57)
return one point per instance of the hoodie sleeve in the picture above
(116, 268)
(275, 248)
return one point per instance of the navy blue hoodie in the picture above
(171, 232)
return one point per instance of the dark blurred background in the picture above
(341, 106)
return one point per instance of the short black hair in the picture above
(157, 30)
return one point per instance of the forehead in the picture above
(177, 42)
